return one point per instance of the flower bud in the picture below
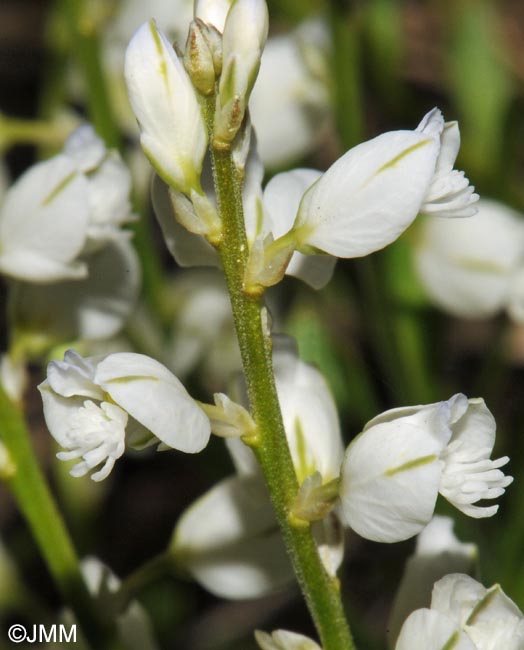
(198, 58)
(245, 33)
(173, 133)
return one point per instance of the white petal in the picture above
(476, 427)
(438, 553)
(390, 480)
(173, 134)
(467, 265)
(30, 266)
(151, 394)
(212, 12)
(449, 146)
(289, 105)
(243, 457)
(368, 197)
(284, 640)
(282, 197)
(244, 36)
(45, 214)
(435, 418)
(94, 308)
(432, 124)
(311, 423)
(109, 191)
(57, 412)
(230, 542)
(456, 595)
(449, 194)
(310, 417)
(85, 149)
(74, 376)
(469, 475)
(329, 536)
(432, 630)
(204, 330)
(461, 290)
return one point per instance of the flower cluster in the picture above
(362, 203)
(73, 271)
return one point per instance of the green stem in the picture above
(86, 48)
(345, 25)
(320, 590)
(39, 132)
(31, 492)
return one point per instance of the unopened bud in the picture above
(198, 58)
(245, 34)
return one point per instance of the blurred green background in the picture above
(372, 331)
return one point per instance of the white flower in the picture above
(290, 100)
(394, 470)
(89, 403)
(62, 209)
(284, 640)
(173, 134)
(479, 618)
(471, 267)
(90, 309)
(108, 181)
(43, 223)
(437, 553)
(367, 198)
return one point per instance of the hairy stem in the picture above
(320, 590)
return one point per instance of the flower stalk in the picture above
(270, 445)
